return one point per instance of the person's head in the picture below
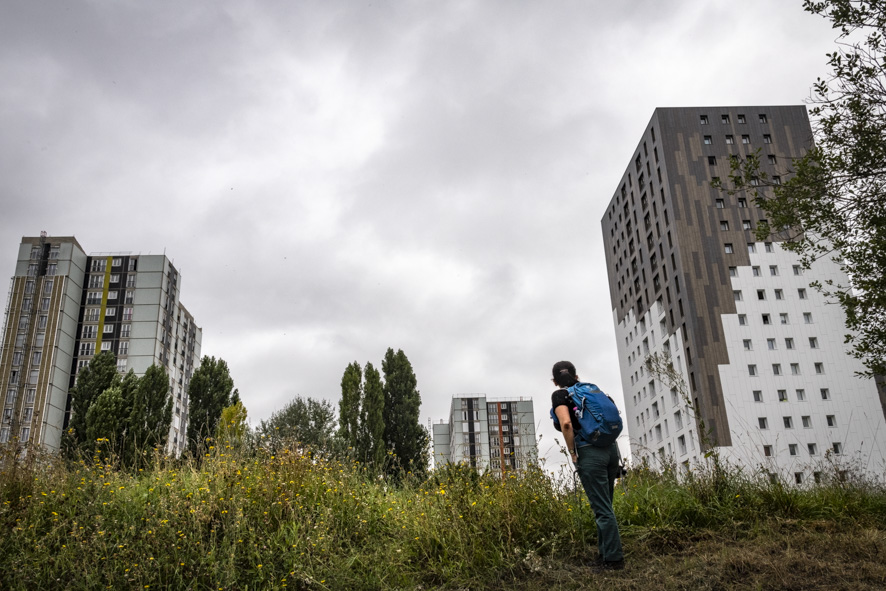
(564, 374)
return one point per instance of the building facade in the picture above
(486, 433)
(64, 307)
(765, 374)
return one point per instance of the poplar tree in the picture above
(92, 380)
(404, 436)
(372, 422)
(349, 405)
(150, 416)
(210, 391)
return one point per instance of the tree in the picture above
(150, 416)
(110, 414)
(371, 444)
(92, 380)
(210, 391)
(232, 427)
(349, 405)
(404, 436)
(834, 204)
(305, 420)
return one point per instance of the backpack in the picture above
(599, 422)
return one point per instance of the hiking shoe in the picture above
(608, 565)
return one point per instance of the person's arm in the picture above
(562, 413)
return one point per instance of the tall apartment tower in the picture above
(760, 352)
(488, 434)
(64, 307)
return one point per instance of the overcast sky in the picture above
(336, 178)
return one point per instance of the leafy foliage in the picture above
(834, 203)
(92, 380)
(349, 405)
(232, 426)
(405, 437)
(372, 423)
(305, 420)
(150, 415)
(210, 391)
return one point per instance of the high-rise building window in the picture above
(707, 140)
(813, 343)
(745, 139)
(741, 119)
(763, 422)
(788, 422)
(758, 396)
(792, 449)
(801, 395)
(813, 449)
(703, 120)
(825, 394)
(728, 248)
(767, 139)
(763, 118)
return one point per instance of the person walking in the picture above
(597, 468)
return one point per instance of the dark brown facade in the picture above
(671, 237)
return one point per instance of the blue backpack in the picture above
(599, 422)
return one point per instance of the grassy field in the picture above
(298, 521)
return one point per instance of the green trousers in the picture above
(598, 468)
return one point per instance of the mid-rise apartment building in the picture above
(488, 434)
(64, 307)
(760, 352)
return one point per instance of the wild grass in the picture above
(295, 519)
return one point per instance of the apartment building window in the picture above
(831, 420)
(728, 248)
(707, 140)
(761, 294)
(108, 329)
(819, 368)
(745, 139)
(763, 118)
(825, 394)
(792, 449)
(724, 119)
(98, 265)
(106, 345)
(789, 343)
(41, 321)
(797, 270)
(758, 396)
(766, 319)
(703, 119)
(783, 318)
(813, 342)
(779, 294)
(18, 358)
(719, 203)
(130, 280)
(132, 264)
(31, 395)
(767, 450)
(801, 395)
(782, 395)
(746, 224)
(91, 315)
(724, 225)
(730, 140)
(123, 348)
(813, 449)
(110, 311)
(798, 477)
(837, 447)
(807, 318)
(752, 248)
(776, 369)
(121, 365)
(795, 369)
(742, 203)
(788, 422)
(801, 293)
(127, 313)
(767, 139)
(755, 271)
(772, 159)
(125, 329)
(712, 160)
(807, 422)
(752, 370)
(736, 295)
(44, 304)
(129, 297)
(742, 320)
(23, 322)
(733, 271)
(770, 344)
(51, 268)
(87, 348)
(93, 298)
(112, 295)
(763, 422)
(748, 346)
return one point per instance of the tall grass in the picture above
(295, 519)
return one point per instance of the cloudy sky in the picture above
(335, 178)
